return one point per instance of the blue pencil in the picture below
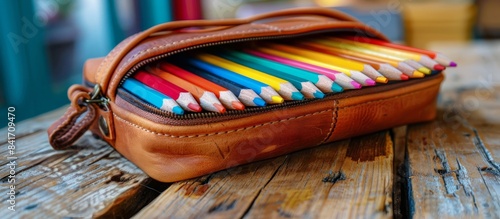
(152, 96)
(245, 95)
(266, 92)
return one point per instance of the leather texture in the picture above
(175, 152)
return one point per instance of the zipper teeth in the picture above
(150, 108)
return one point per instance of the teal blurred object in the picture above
(26, 82)
(153, 12)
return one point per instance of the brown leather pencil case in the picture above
(171, 148)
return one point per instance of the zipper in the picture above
(206, 117)
(210, 117)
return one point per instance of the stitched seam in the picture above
(218, 35)
(112, 55)
(217, 133)
(333, 125)
(268, 26)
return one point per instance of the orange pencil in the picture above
(207, 99)
(226, 97)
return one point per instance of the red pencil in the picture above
(184, 98)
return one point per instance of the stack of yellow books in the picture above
(431, 21)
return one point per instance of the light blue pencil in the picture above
(152, 96)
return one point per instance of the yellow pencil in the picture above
(283, 87)
(355, 75)
(374, 54)
(334, 60)
(421, 58)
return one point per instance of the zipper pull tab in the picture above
(78, 117)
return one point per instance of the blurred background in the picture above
(45, 42)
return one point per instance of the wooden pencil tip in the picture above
(237, 105)
(381, 79)
(194, 107)
(220, 108)
(439, 67)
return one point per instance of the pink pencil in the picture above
(339, 78)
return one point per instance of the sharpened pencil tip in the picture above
(370, 82)
(356, 85)
(194, 107)
(439, 67)
(417, 74)
(259, 101)
(381, 79)
(337, 88)
(404, 77)
(178, 110)
(297, 96)
(237, 105)
(424, 70)
(277, 99)
(318, 94)
(453, 64)
(219, 108)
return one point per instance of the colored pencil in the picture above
(334, 60)
(440, 58)
(342, 80)
(265, 91)
(207, 99)
(394, 61)
(414, 64)
(303, 85)
(322, 82)
(345, 81)
(152, 96)
(356, 75)
(283, 87)
(183, 97)
(226, 97)
(385, 69)
(421, 58)
(245, 95)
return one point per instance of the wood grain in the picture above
(347, 178)
(454, 161)
(225, 194)
(87, 180)
(299, 189)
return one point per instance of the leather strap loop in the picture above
(76, 121)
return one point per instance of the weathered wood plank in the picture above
(353, 176)
(88, 180)
(225, 194)
(454, 161)
(308, 184)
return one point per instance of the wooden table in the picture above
(446, 168)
